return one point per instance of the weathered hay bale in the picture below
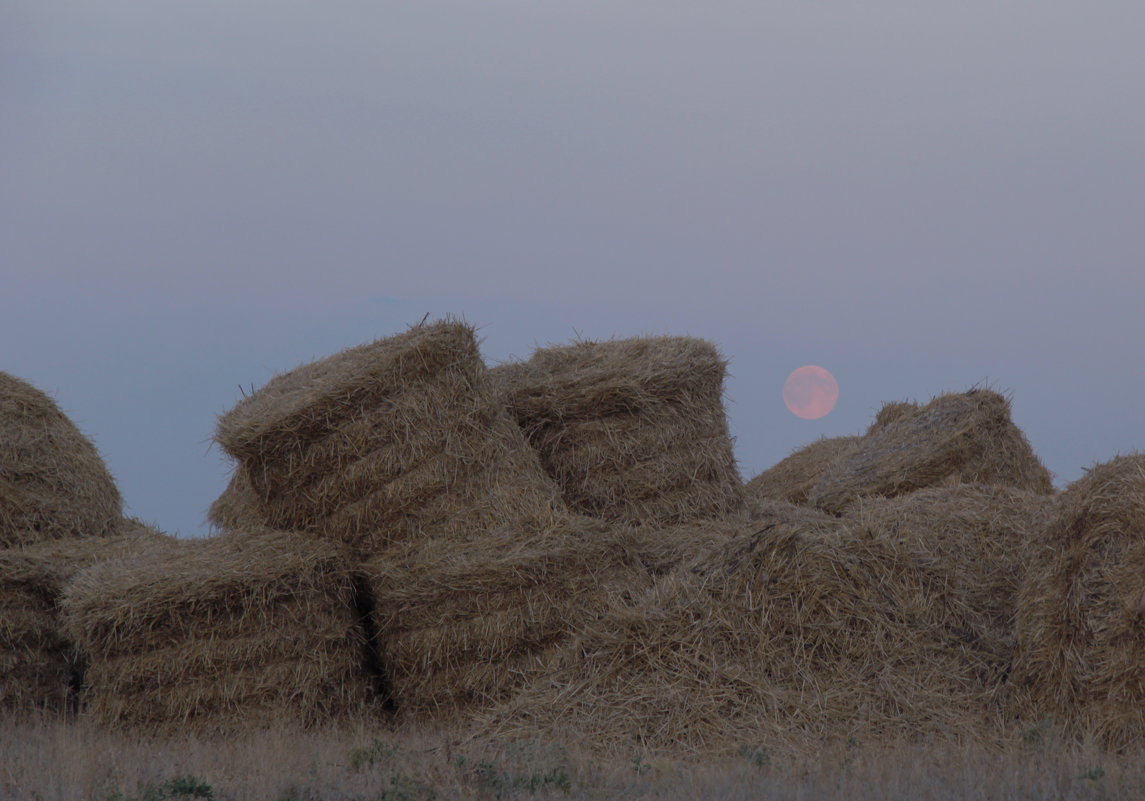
(978, 536)
(633, 430)
(965, 437)
(893, 411)
(40, 667)
(53, 482)
(390, 440)
(796, 636)
(792, 479)
(1081, 629)
(245, 629)
(462, 625)
(237, 506)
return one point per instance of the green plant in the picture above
(1093, 774)
(370, 755)
(177, 787)
(759, 757)
(407, 788)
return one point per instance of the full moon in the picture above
(810, 392)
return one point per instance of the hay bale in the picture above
(792, 479)
(978, 536)
(797, 635)
(633, 430)
(395, 439)
(957, 438)
(893, 411)
(461, 626)
(251, 628)
(40, 667)
(237, 506)
(53, 482)
(1081, 631)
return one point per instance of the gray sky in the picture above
(918, 196)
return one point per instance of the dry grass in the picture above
(633, 430)
(53, 482)
(958, 438)
(47, 761)
(1081, 624)
(220, 634)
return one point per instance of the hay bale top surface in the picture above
(593, 379)
(960, 437)
(793, 478)
(47, 566)
(53, 482)
(309, 401)
(1109, 500)
(171, 585)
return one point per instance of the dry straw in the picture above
(633, 430)
(395, 439)
(977, 536)
(792, 479)
(957, 438)
(40, 667)
(799, 633)
(462, 625)
(53, 482)
(237, 506)
(217, 634)
(1081, 624)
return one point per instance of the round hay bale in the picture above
(957, 438)
(893, 411)
(794, 636)
(792, 479)
(53, 482)
(395, 439)
(251, 628)
(977, 536)
(1081, 635)
(40, 666)
(237, 506)
(633, 430)
(460, 626)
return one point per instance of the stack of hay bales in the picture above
(250, 628)
(633, 430)
(799, 633)
(237, 506)
(462, 624)
(40, 666)
(53, 482)
(388, 441)
(966, 437)
(979, 536)
(1081, 611)
(792, 479)
(404, 450)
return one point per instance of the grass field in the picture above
(53, 761)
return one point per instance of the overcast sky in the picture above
(918, 196)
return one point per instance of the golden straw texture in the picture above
(966, 437)
(633, 430)
(246, 629)
(53, 482)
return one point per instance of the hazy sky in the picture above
(918, 196)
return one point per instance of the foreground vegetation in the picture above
(56, 761)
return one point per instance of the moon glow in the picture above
(810, 392)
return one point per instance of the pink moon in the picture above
(810, 392)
